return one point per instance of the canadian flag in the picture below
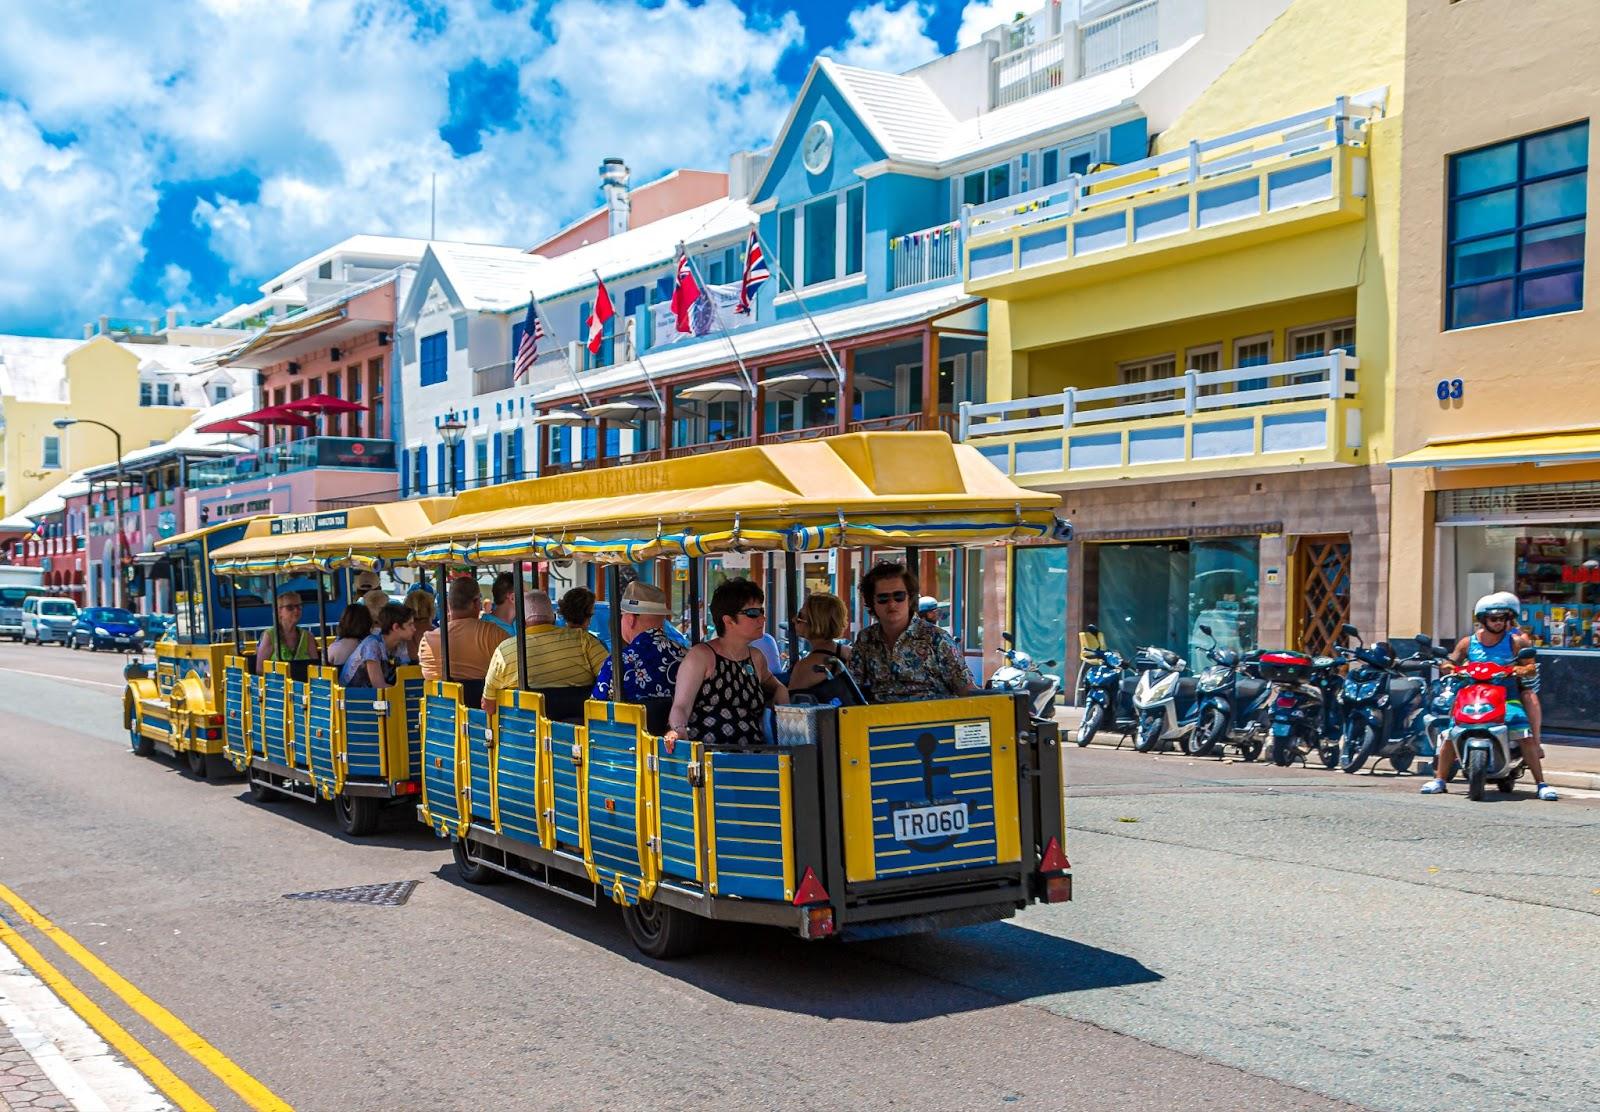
(685, 292)
(602, 312)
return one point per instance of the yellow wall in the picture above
(1095, 362)
(1532, 66)
(102, 385)
(1315, 51)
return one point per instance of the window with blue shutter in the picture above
(514, 460)
(422, 471)
(439, 458)
(405, 472)
(435, 359)
(499, 473)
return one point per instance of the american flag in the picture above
(528, 349)
(755, 273)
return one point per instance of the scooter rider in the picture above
(1497, 640)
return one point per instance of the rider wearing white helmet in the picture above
(1496, 639)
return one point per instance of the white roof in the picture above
(399, 249)
(799, 334)
(913, 126)
(191, 439)
(171, 357)
(34, 369)
(498, 279)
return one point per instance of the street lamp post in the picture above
(452, 428)
(116, 504)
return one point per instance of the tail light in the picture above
(812, 898)
(407, 787)
(1285, 701)
(1058, 889)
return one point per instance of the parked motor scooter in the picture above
(1300, 719)
(1233, 704)
(1382, 701)
(1489, 748)
(1108, 683)
(1165, 699)
(1021, 675)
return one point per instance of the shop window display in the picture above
(1554, 571)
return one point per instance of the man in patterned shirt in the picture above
(897, 659)
(650, 659)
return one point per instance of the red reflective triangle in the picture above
(1054, 860)
(811, 890)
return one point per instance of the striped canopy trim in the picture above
(1001, 528)
(295, 562)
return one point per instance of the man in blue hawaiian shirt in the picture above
(650, 658)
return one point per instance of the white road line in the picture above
(63, 679)
(72, 1056)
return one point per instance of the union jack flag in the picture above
(755, 273)
(528, 348)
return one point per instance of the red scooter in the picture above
(1489, 747)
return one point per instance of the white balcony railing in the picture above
(1031, 70)
(930, 255)
(1123, 36)
(1329, 376)
(1256, 147)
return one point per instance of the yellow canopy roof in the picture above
(1569, 446)
(369, 531)
(206, 530)
(897, 487)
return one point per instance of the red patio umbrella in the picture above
(277, 415)
(323, 403)
(230, 425)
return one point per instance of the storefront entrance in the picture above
(1322, 591)
(1039, 581)
(1162, 592)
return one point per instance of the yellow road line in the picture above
(251, 1091)
(173, 1086)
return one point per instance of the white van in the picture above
(47, 618)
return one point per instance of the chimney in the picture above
(614, 184)
(172, 319)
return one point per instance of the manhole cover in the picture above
(392, 894)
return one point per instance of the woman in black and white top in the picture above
(723, 685)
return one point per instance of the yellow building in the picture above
(1196, 350)
(1497, 418)
(97, 379)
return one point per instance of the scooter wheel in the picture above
(1149, 734)
(1091, 724)
(1250, 750)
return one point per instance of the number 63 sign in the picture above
(1449, 389)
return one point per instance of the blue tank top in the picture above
(1494, 654)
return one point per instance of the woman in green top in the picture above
(286, 641)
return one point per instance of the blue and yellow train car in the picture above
(853, 820)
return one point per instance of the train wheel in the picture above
(471, 871)
(357, 814)
(662, 932)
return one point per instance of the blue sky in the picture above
(176, 154)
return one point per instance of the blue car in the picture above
(106, 627)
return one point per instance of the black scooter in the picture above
(1382, 701)
(1108, 683)
(1233, 704)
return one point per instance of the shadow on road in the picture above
(900, 980)
(398, 827)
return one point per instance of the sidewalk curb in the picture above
(1556, 778)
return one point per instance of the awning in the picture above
(1572, 446)
(277, 415)
(363, 537)
(324, 403)
(229, 426)
(852, 490)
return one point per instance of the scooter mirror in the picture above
(1091, 628)
(1441, 652)
(1423, 639)
(1049, 664)
(1350, 631)
(1205, 629)
(1527, 654)
(1006, 637)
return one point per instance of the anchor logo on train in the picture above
(934, 775)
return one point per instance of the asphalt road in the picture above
(1241, 937)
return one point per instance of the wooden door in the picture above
(1322, 591)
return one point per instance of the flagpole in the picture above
(785, 280)
(566, 352)
(649, 381)
(716, 314)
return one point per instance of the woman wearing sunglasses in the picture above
(898, 658)
(723, 684)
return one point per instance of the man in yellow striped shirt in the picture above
(558, 656)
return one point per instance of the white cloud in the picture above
(71, 215)
(983, 15)
(336, 105)
(892, 39)
(174, 283)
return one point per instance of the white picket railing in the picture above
(1278, 141)
(929, 255)
(1119, 38)
(1030, 70)
(1321, 376)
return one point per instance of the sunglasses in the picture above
(892, 596)
(753, 612)
(291, 606)
(1497, 617)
